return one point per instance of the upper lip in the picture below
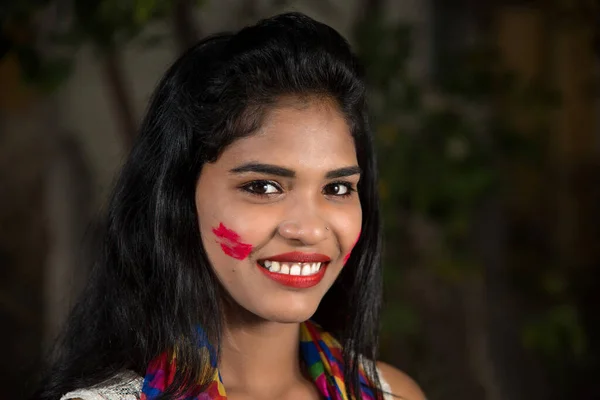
(299, 257)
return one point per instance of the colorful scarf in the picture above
(319, 351)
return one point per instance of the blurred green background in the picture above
(487, 121)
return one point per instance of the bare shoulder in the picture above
(401, 384)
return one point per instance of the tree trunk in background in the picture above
(575, 156)
(574, 135)
(69, 198)
(502, 365)
(519, 36)
(23, 235)
(121, 100)
(185, 28)
(527, 213)
(23, 244)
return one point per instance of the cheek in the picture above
(231, 243)
(349, 223)
(347, 256)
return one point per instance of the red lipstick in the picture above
(297, 281)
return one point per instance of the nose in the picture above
(305, 225)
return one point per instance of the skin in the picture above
(401, 384)
(273, 214)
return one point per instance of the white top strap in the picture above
(385, 387)
(124, 386)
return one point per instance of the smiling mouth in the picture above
(295, 269)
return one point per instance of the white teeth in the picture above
(295, 269)
(274, 266)
(303, 269)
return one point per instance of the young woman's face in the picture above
(279, 213)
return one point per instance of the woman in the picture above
(242, 235)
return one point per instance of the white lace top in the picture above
(128, 386)
(125, 386)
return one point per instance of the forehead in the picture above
(301, 133)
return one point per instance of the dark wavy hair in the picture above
(151, 284)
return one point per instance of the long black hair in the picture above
(152, 284)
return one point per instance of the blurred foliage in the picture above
(45, 53)
(557, 333)
(16, 38)
(444, 149)
(109, 24)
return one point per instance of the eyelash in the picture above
(349, 187)
(247, 188)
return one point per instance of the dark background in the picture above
(487, 121)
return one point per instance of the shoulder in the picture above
(400, 384)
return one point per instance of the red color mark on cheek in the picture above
(347, 256)
(231, 244)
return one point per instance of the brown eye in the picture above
(338, 189)
(262, 187)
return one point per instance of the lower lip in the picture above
(295, 281)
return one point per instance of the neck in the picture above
(259, 355)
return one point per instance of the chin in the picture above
(290, 314)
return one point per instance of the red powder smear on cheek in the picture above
(231, 244)
(350, 252)
(346, 257)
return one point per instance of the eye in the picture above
(262, 188)
(341, 189)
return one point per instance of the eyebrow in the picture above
(343, 172)
(270, 169)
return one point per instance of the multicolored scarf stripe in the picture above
(319, 351)
(322, 353)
